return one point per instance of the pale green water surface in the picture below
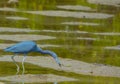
(83, 30)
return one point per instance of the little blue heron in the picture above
(26, 47)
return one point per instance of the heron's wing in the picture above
(21, 47)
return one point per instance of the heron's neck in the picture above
(49, 53)
(44, 51)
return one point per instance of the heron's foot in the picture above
(23, 71)
(17, 73)
(18, 70)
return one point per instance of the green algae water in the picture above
(83, 30)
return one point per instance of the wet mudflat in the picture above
(36, 78)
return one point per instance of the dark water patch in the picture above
(7, 41)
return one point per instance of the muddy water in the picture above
(82, 30)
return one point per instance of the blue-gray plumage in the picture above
(26, 47)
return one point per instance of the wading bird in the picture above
(26, 47)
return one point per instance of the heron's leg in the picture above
(23, 64)
(18, 68)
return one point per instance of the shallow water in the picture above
(82, 30)
(69, 65)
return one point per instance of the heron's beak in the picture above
(60, 65)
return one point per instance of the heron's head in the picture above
(54, 55)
